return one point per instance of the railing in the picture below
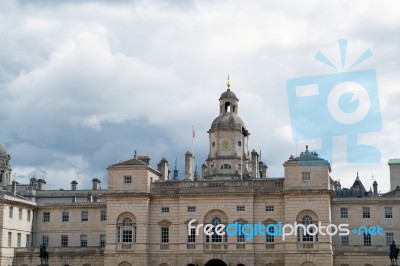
(59, 251)
(234, 186)
(379, 250)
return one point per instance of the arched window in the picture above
(127, 231)
(307, 232)
(215, 238)
(227, 107)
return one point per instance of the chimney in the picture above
(196, 174)
(96, 184)
(74, 185)
(164, 169)
(41, 184)
(375, 185)
(189, 166)
(264, 169)
(145, 159)
(176, 175)
(14, 187)
(254, 163)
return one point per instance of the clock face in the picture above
(226, 144)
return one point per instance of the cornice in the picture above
(370, 201)
(18, 203)
(71, 206)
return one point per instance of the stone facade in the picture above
(142, 218)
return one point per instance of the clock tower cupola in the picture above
(228, 150)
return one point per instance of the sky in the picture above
(84, 84)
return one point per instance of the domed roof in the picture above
(3, 151)
(228, 94)
(228, 120)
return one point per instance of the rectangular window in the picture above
(102, 240)
(164, 235)
(305, 176)
(28, 216)
(64, 241)
(9, 239)
(45, 240)
(367, 239)
(20, 213)
(103, 216)
(65, 216)
(345, 240)
(83, 240)
(388, 212)
(240, 238)
(269, 208)
(11, 212)
(84, 216)
(28, 240)
(46, 217)
(127, 179)
(270, 238)
(191, 209)
(18, 239)
(389, 238)
(192, 236)
(344, 213)
(366, 212)
(164, 209)
(240, 208)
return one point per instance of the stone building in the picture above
(143, 217)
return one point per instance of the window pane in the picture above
(164, 235)
(388, 212)
(366, 212)
(46, 217)
(84, 241)
(84, 216)
(344, 213)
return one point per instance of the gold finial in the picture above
(228, 84)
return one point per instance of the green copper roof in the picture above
(394, 161)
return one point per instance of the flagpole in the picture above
(241, 153)
(193, 135)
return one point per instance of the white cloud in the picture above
(79, 78)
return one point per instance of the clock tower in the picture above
(228, 151)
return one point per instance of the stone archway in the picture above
(215, 262)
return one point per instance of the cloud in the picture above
(78, 79)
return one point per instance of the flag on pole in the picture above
(194, 133)
(245, 132)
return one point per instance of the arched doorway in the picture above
(216, 263)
